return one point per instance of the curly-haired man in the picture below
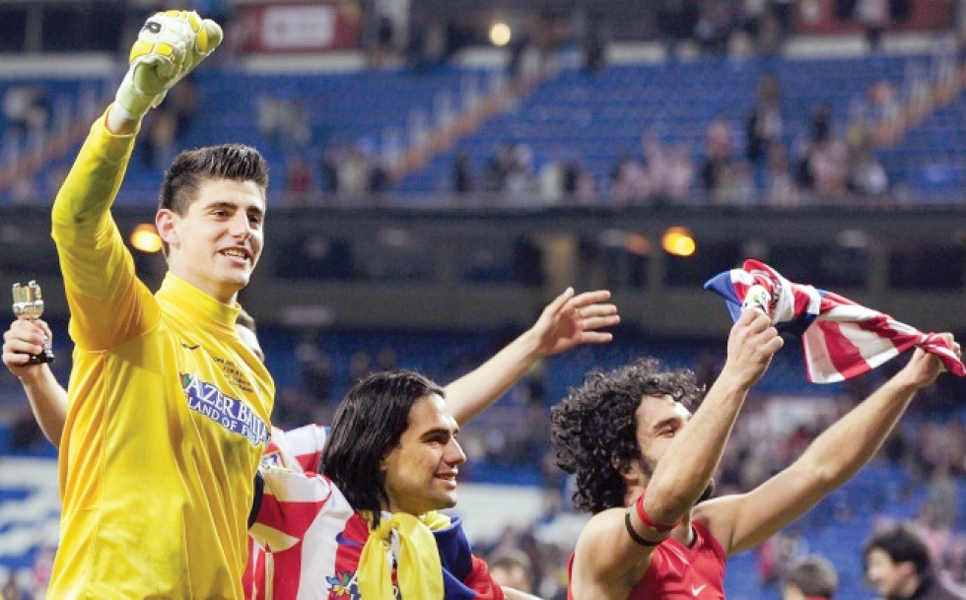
(643, 463)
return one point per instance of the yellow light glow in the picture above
(678, 241)
(500, 34)
(145, 238)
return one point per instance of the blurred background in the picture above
(442, 169)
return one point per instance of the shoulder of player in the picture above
(606, 553)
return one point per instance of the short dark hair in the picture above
(595, 430)
(814, 576)
(903, 544)
(190, 168)
(369, 423)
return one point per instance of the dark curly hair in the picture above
(595, 431)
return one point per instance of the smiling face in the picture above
(890, 579)
(216, 243)
(420, 473)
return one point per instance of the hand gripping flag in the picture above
(842, 339)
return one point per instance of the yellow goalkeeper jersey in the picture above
(168, 413)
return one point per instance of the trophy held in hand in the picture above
(28, 303)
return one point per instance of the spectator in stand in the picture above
(511, 567)
(332, 158)
(725, 179)
(718, 162)
(159, 146)
(867, 177)
(713, 28)
(656, 163)
(827, 165)
(498, 167)
(299, 186)
(775, 555)
(824, 165)
(783, 11)
(810, 578)
(578, 182)
(183, 100)
(679, 175)
(780, 190)
(764, 123)
(899, 566)
(631, 184)
(942, 500)
(874, 16)
(876, 118)
(11, 591)
(26, 109)
(462, 173)
(520, 177)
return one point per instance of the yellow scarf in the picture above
(418, 568)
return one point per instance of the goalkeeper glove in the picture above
(169, 46)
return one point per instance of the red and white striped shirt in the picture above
(313, 542)
(299, 450)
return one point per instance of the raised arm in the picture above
(743, 521)
(685, 469)
(169, 46)
(98, 270)
(48, 400)
(608, 562)
(566, 322)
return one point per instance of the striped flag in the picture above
(842, 339)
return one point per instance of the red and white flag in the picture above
(842, 339)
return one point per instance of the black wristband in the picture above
(634, 535)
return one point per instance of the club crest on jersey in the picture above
(234, 415)
(272, 460)
(344, 585)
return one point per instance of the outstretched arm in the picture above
(566, 322)
(97, 267)
(608, 563)
(48, 400)
(744, 521)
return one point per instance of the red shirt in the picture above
(679, 571)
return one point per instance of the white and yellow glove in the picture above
(169, 46)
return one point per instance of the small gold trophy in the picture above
(28, 303)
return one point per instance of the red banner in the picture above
(302, 27)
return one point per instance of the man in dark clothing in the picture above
(898, 565)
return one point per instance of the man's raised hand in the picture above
(575, 319)
(169, 46)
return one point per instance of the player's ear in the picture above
(166, 221)
(630, 475)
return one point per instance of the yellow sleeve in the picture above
(108, 304)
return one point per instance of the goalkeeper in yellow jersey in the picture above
(168, 411)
